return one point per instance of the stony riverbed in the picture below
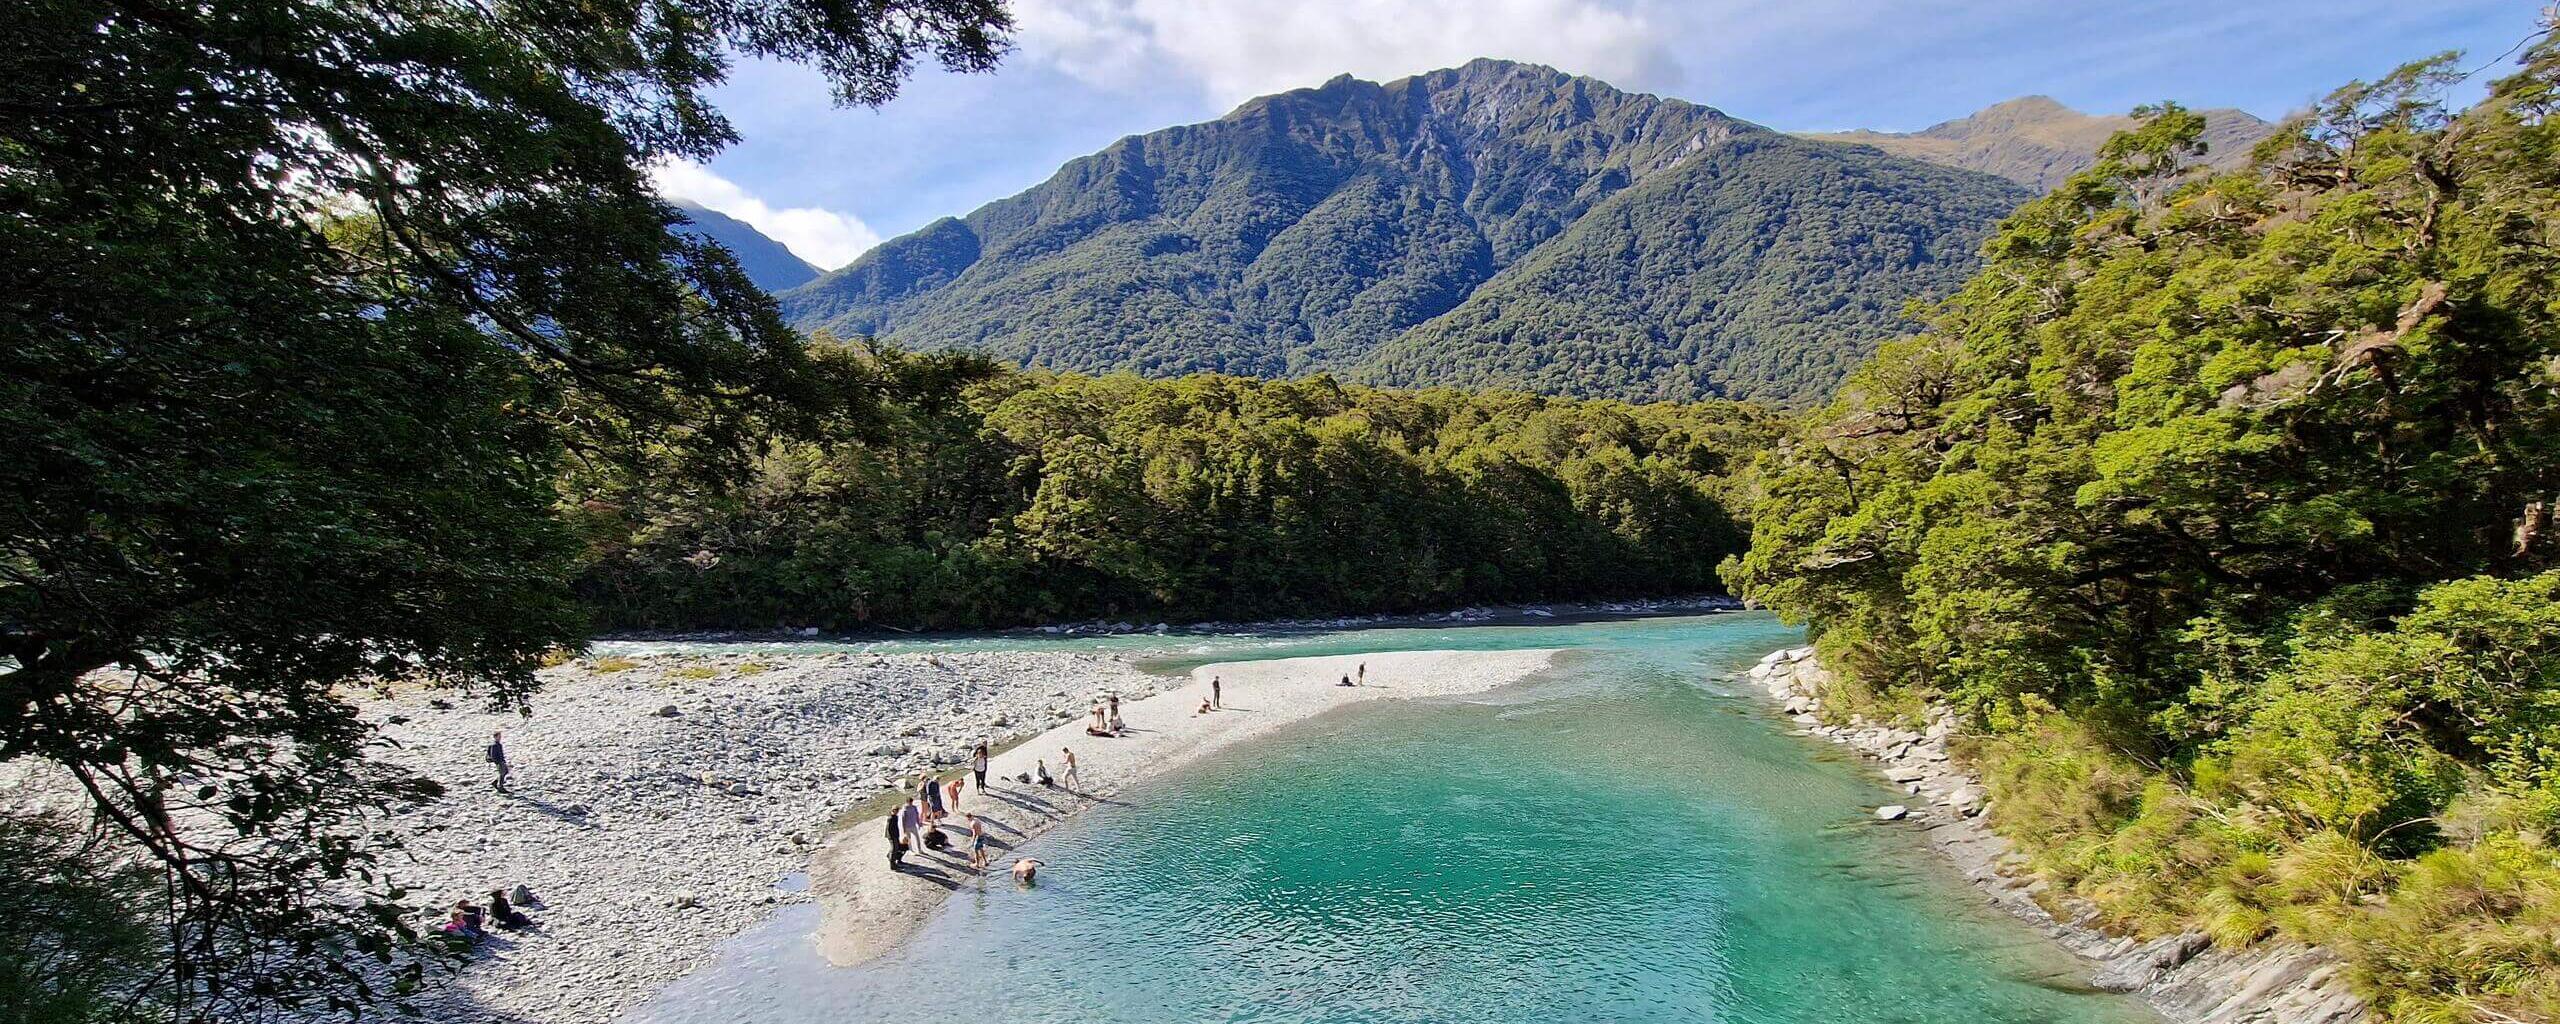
(660, 803)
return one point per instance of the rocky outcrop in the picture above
(2183, 976)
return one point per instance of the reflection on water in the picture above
(1621, 840)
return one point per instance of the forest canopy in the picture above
(992, 497)
(2223, 503)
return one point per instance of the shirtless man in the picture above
(1026, 872)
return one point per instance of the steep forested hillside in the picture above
(1314, 229)
(767, 263)
(2223, 507)
(1761, 268)
(973, 495)
(2037, 142)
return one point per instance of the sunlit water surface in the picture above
(1630, 837)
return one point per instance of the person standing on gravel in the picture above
(498, 759)
(978, 764)
(911, 819)
(1216, 700)
(897, 844)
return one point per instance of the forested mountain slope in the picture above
(1657, 246)
(767, 263)
(2037, 142)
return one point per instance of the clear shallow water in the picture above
(1628, 838)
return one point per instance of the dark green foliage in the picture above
(1566, 236)
(1763, 268)
(766, 263)
(305, 301)
(78, 948)
(1002, 498)
(2223, 503)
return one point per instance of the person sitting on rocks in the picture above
(1041, 768)
(504, 914)
(464, 923)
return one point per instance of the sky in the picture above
(829, 181)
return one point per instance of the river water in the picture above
(1629, 837)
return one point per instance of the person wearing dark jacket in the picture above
(498, 759)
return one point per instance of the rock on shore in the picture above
(2183, 976)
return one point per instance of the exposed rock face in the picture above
(2183, 976)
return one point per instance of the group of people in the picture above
(916, 828)
(469, 923)
(1104, 720)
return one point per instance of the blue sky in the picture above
(830, 181)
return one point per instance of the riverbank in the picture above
(642, 642)
(660, 804)
(868, 909)
(2184, 976)
(663, 804)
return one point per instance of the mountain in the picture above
(772, 267)
(2037, 142)
(1497, 223)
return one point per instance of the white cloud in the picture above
(1238, 49)
(821, 236)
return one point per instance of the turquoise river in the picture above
(1631, 836)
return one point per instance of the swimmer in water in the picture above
(1027, 872)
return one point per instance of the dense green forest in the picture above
(1762, 268)
(2223, 504)
(979, 496)
(1493, 225)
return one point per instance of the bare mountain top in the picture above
(2037, 142)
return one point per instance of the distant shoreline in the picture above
(1470, 615)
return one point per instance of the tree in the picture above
(309, 302)
(2219, 501)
